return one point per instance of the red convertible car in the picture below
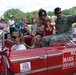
(58, 59)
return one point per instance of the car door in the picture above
(29, 62)
(55, 61)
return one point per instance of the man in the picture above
(18, 24)
(64, 30)
(11, 24)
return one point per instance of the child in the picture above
(39, 33)
(48, 28)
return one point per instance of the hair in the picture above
(74, 25)
(2, 19)
(41, 11)
(57, 9)
(47, 19)
(40, 21)
(34, 21)
(19, 34)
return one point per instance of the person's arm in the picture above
(27, 31)
(40, 29)
(49, 28)
(71, 19)
(44, 34)
(31, 29)
(3, 25)
(28, 46)
(32, 17)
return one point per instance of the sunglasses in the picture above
(14, 37)
(43, 15)
(59, 13)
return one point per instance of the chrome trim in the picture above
(54, 67)
(27, 59)
(32, 71)
(37, 57)
(54, 55)
(39, 70)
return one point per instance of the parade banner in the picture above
(68, 59)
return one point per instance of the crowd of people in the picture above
(41, 29)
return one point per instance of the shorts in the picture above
(40, 33)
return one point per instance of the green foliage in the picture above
(50, 13)
(71, 11)
(19, 14)
(10, 12)
(66, 12)
(27, 16)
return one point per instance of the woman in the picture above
(17, 38)
(42, 14)
(3, 27)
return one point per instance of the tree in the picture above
(10, 12)
(27, 16)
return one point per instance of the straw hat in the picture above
(11, 16)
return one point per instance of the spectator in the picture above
(22, 25)
(64, 30)
(26, 30)
(17, 38)
(3, 26)
(33, 28)
(18, 24)
(11, 24)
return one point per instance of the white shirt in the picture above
(18, 47)
(74, 30)
(10, 22)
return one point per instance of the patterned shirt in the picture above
(64, 25)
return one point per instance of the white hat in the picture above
(2, 17)
(11, 15)
(48, 16)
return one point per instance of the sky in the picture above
(31, 5)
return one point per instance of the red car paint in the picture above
(43, 61)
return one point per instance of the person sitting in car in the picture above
(17, 39)
(48, 30)
(64, 29)
(38, 33)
